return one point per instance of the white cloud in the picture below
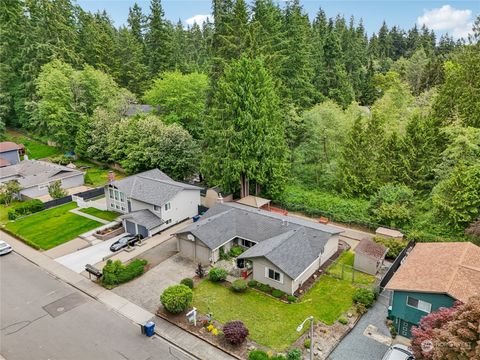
(447, 18)
(199, 19)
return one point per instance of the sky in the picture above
(452, 17)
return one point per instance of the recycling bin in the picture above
(149, 328)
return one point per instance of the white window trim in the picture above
(169, 206)
(278, 272)
(159, 208)
(418, 308)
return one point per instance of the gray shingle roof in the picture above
(30, 173)
(290, 243)
(144, 217)
(152, 187)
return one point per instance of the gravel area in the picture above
(364, 348)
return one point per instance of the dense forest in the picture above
(379, 129)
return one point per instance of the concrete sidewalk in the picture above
(173, 334)
(88, 216)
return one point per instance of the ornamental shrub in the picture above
(343, 321)
(187, 282)
(25, 208)
(258, 355)
(294, 354)
(291, 298)
(115, 273)
(364, 296)
(239, 285)
(264, 287)
(235, 332)
(175, 299)
(307, 343)
(278, 357)
(253, 283)
(277, 293)
(217, 274)
(395, 246)
(236, 251)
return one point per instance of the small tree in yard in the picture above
(176, 298)
(452, 333)
(55, 190)
(235, 332)
(9, 190)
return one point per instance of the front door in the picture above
(405, 328)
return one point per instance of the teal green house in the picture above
(432, 276)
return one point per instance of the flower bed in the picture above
(109, 233)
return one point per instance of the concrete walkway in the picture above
(88, 216)
(201, 349)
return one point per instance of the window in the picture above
(246, 243)
(274, 275)
(419, 304)
(122, 197)
(110, 191)
(168, 206)
(168, 221)
(156, 208)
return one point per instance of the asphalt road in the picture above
(42, 318)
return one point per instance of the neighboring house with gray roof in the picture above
(151, 201)
(9, 153)
(35, 176)
(282, 251)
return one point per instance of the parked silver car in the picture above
(5, 248)
(398, 352)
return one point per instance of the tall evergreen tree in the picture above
(245, 142)
(136, 22)
(158, 40)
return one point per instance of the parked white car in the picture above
(5, 248)
(398, 352)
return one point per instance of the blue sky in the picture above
(453, 17)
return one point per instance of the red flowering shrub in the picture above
(235, 332)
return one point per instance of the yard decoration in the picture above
(200, 271)
(176, 298)
(235, 332)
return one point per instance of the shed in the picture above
(255, 201)
(369, 256)
(390, 233)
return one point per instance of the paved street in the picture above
(43, 318)
(356, 342)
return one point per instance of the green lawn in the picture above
(35, 149)
(96, 176)
(49, 228)
(4, 212)
(105, 215)
(269, 321)
(348, 258)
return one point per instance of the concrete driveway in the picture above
(90, 255)
(145, 290)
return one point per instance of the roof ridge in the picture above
(455, 271)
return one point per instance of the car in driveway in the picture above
(5, 248)
(398, 352)
(124, 241)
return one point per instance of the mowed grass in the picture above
(35, 149)
(270, 322)
(347, 258)
(49, 228)
(105, 215)
(94, 175)
(4, 212)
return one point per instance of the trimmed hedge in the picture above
(175, 299)
(25, 208)
(187, 282)
(277, 293)
(264, 287)
(217, 274)
(115, 273)
(291, 298)
(253, 283)
(239, 285)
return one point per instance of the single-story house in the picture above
(151, 201)
(432, 276)
(35, 176)
(282, 251)
(9, 153)
(369, 256)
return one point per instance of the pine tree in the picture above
(158, 40)
(297, 75)
(136, 22)
(245, 141)
(319, 32)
